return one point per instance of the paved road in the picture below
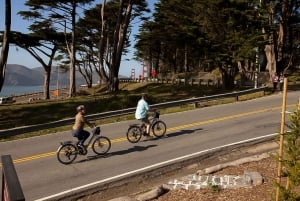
(41, 175)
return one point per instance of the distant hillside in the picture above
(18, 75)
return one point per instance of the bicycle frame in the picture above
(90, 140)
(94, 134)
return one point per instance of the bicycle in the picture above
(67, 152)
(157, 126)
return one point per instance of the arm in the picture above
(91, 125)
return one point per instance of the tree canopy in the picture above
(181, 37)
(232, 36)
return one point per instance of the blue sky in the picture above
(21, 57)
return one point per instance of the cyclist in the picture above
(78, 127)
(141, 113)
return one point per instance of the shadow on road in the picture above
(183, 132)
(121, 152)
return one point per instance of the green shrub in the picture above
(291, 160)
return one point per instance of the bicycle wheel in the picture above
(159, 128)
(134, 134)
(101, 145)
(66, 153)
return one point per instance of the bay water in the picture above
(21, 90)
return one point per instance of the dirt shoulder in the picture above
(265, 192)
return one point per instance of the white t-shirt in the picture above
(141, 109)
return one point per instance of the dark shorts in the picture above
(75, 133)
(145, 120)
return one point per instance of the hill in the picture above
(18, 75)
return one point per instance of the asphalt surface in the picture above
(191, 135)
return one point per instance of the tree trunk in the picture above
(227, 77)
(47, 83)
(271, 60)
(72, 52)
(102, 73)
(119, 38)
(5, 43)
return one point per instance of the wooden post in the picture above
(11, 188)
(280, 155)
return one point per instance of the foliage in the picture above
(200, 35)
(107, 37)
(291, 159)
(181, 37)
(46, 39)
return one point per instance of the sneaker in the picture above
(148, 136)
(82, 149)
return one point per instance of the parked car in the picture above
(5, 100)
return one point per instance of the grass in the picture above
(96, 101)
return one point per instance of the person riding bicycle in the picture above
(78, 127)
(141, 113)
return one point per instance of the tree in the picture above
(42, 45)
(192, 34)
(5, 43)
(283, 35)
(110, 55)
(54, 16)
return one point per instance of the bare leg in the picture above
(148, 128)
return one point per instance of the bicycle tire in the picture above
(134, 134)
(101, 145)
(66, 153)
(159, 128)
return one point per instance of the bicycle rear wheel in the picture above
(66, 153)
(101, 145)
(134, 134)
(159, 128)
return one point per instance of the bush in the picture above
(291, 159)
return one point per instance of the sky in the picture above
(22, 57)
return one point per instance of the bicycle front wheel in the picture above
(101, 145)
(66, 153)
(159, 128)
(134, 134)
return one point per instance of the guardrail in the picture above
(195, 100)
(192, 81)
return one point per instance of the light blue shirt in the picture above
(141, 109)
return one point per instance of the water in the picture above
(21, 90)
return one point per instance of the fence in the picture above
(194, 81)
(11, 188)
